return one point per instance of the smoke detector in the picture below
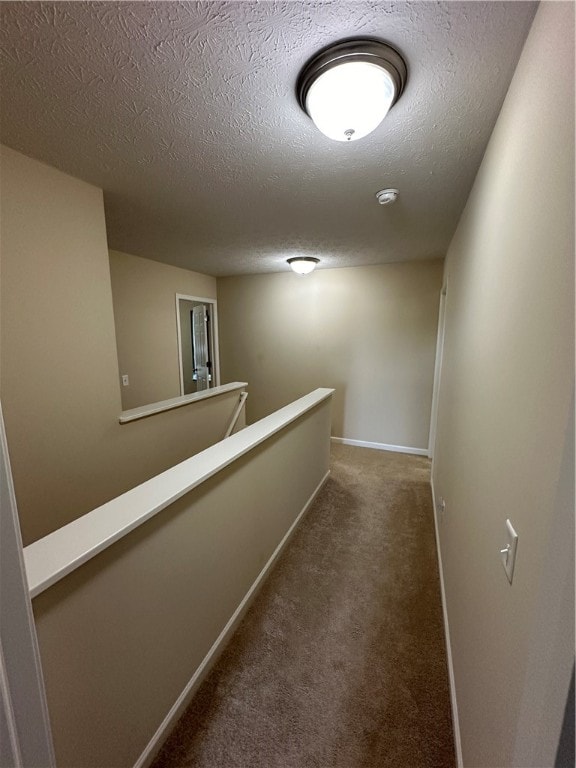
(387, 196)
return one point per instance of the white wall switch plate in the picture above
(125, 380)
(508, 554)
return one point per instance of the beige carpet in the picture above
(340, 662)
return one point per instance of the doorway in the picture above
(437, 371)
(197, 343)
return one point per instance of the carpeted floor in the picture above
(340, 661)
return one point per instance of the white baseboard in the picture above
(455, 719)
(155, 743)
(381, 446)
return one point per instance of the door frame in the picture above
(24, 718)
(437, 370)
(213, 337)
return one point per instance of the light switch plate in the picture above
(125, 380)
(508, 553)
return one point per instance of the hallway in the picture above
(340, 662)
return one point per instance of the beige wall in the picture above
(369, 332)
(59, 373)
(505, 421)
(121, 637)
(144, 294)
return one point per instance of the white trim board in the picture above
(455, 719)
(381, 446)
(155, 743)
(24, 718)
(143, 411)
(437, 369)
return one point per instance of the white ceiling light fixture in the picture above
(387, 196)
(303, 265)
(348, 88)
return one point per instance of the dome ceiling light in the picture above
(348, 88)
(303, 265)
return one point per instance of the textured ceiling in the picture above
(185, 114)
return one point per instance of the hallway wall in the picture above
(59, 371)
(369, 332)
(505, 423)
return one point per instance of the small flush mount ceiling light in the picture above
(387, 196)
(347, 89)
(303, 265)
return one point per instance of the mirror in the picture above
(197, 343)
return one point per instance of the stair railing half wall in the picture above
(134, 601)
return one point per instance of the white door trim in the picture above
(214, 341)
(437, 371)
(23, 707)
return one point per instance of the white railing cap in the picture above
(177, 402)
(51, 558)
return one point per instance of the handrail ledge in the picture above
(59, 553)
(177, 402)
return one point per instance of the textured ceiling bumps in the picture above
(185, 113)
